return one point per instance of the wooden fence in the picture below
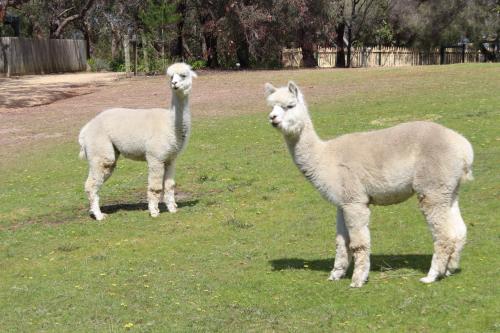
(20, 56)
(385, 57)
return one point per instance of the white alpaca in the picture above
(380, 167)
(153, 135)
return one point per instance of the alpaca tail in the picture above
(83, 153)
(468, 159)
(467, 176)
(81, 141)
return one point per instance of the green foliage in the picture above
(158, 14)
(253, 33)
(98, 65)
(252, 243)
(117, 65)
(158, 65)
(198, 64)
(384, 34)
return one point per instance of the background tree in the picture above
(425, 23)
(156, 18)
(222, 33)
(355, 22)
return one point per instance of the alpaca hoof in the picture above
(172, 207)
(448, 273)
(336, 275)
(331, 278)
(154, 214)
(98, 217)
(357, 284)
(427, 279)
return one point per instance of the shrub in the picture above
(98, 65)
(198, 64)
(117, 65)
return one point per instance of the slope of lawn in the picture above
(252, 243)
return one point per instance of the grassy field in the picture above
(252, 244)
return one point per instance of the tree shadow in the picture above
(379, 263)
(17, 95)
(110, 209)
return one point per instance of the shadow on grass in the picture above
(379, 263)
(110, 209)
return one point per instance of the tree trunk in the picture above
(488, 55)
(208, 35)
(126, 52)
(163, 65)
(352, 19)
(86, 36)
(204, 50)
(178, 50)
(243, 55)
(145, 59)
(242, 51)
(340, 61)
(349, 45)
(308, 56)
(211, 42)
(308, 51)
(115, 42)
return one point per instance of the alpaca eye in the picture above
(183, 76)
(290, 106)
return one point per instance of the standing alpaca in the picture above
(153, 135)
(380, 167)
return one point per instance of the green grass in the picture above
(252, 244)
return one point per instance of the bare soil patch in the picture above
(33, 90)
(36, 111)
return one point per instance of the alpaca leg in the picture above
(99, 172)
(155, 185)
(342, 254)
(460, 236)
(357, 218)
(168, 187)
(441, 223)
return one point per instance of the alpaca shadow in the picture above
(110, 209)
(379, 262)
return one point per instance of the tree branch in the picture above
(65, 11)
(71, 18)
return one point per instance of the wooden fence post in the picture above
(387, 56)
(126, 52)
(135, 55)
(5, 55)
(379, 55)
(145, 53)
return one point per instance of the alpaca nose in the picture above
(272, 118)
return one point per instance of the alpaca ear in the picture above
(193, 74)
(293, 88)
(170, 71)
(269, 89)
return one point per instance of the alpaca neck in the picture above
(306, 148)
(182, 117)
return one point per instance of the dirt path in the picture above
(37, 108)
(38, 111)
(34, 90)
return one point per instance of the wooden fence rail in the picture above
(385, 57)
(20, 56)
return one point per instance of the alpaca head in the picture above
(181, 78)
(289, 112)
